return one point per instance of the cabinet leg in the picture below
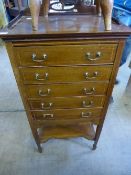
(94, 146)
(39, 148)
(35, 9)
(106, 6)
(98, 132)
(35, 134)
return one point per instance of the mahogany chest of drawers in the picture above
(65, 73)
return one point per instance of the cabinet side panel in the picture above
(110, 88)
(9, 48)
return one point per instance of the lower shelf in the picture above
(68, 131)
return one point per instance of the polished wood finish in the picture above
(112, 81)
(66, 102)
(81, 130)
(60, 114)
(59, 26)
(61, 90)
(78, 53)
(64, 74)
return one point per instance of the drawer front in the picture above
(66, 54)
(65, 74)
(67, 102)
(62, 90)
(67, 114)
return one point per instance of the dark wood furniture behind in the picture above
(16, 7)
(65, 73)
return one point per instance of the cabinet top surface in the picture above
(64, 26)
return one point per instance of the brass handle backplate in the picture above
(89, 56)
(37, 77)
(48, 116)
(93, 76)
(89, 91)
(87, 105)
(41, 93)
(86, 114)
(46, 106)
(34, 58)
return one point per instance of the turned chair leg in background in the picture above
(107, 6)
(35, 10)
(98, 8)
(46, 5)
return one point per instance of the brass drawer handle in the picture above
(98, 55)
(44, 106)
(90, 104)
(86, 114)
(88, 56)
(41, 93)
(90, 91)
(88, 77)
(34, 58)
(37, 77)
(48, 115)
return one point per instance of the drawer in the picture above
(65, 74)
(67, 114)
(65, 54)
(67, 102)
(61, 90)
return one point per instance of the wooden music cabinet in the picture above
(65, 73)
